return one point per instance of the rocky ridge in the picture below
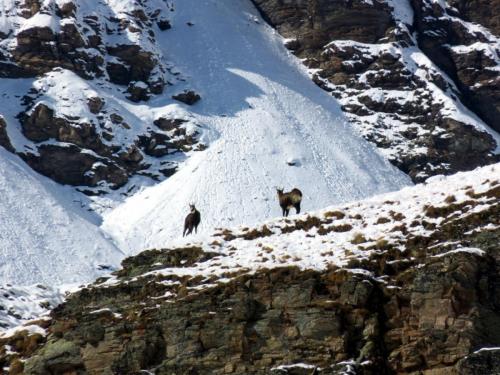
(417, 78)
(73, 73)
(401, 283)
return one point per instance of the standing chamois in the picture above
(289, 200)
(192, 221)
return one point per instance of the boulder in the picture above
(188, 97)
(138, 91)
(95, 104)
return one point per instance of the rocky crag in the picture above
(72, 73)
(418, 78)
(404, 283)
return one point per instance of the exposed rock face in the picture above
(77, 132)
(86, 156)
(187, 97)
(468, 54)
(70, 36)
(391, 86)
(410, 306)
(4, 138)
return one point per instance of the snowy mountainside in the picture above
(81, 126)
(399, 282)
(76, 79)
(416, 78)
(45, 234)
(269, 126)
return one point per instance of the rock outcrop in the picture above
(405, 94)
(4, 138)
(83, 60)
(371, 288)
(79, 152)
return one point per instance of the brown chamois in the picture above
(289, 200)
(192, 221)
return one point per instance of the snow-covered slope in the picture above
(437, 217)
(261, 112)
(45, 236)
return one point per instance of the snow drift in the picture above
(45, 237)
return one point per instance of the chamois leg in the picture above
(297, 208)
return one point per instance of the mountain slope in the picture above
(417, 78)
(261, 113)
(45, 236)
(403, 282)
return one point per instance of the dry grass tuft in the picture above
(358, 239)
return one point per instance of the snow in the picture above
(488, 349)
(346, 232)
(45, 237)
(41, 20)
(470, 250)
(31, 329)
(295, 365)
(402, 11)
(259, 109)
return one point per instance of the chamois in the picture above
(192, 221)
(289, 200)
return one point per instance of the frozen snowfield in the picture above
(260, 111)
(45, 237)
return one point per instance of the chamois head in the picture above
(192, 207)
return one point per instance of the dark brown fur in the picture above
(289, 200)
(192, 221)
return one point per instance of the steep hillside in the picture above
(100, 97)
(143, 107)
(400, 283)
(44, 232)
(418, 78)
(73, 75)
(269, 126)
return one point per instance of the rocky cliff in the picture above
(72, 73)
(418, 78)
(401, 283)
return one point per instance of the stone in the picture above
(164, 25)
(95, 104)
(188, 97)
(4, 137)
(138, 91)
